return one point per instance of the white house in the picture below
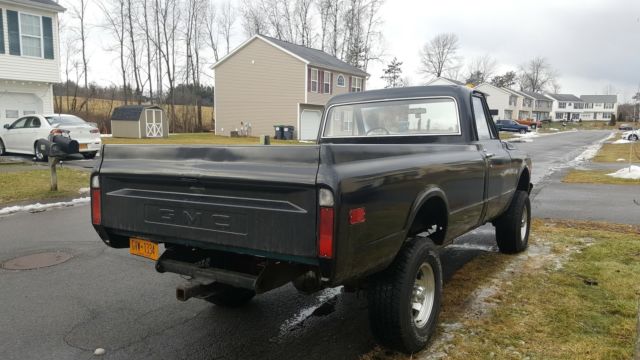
(565, 107)
(599, 107)
(505, 101)
(541, 105)
(29, 57)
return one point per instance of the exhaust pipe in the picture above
(188, 290)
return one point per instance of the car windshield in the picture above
(393, 118)
(56, 120)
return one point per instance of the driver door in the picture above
(13, 138)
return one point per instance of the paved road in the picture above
(106, 298)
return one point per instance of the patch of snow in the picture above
(84, 190)
(554, 129)
(632, 172)
(527, 135)
(621, 160)
(99, 352)
(303, 314)
(42, 207)
(588, 153)
(621, 141)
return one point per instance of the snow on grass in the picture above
(527, 135)
(554, 129)
(42, 207)
(621, 141)
(632, 172)
(621, 160)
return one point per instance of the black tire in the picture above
(633, 137)
(89, 155)
(230, 296)
(522, 131)
(511, 234)
(2, 148)
(39, 154)
(394, 321)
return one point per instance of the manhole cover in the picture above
(36, 261)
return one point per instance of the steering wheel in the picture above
(377, 128)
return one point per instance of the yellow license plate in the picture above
(144, 248)
(84, 146)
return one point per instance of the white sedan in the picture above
(633, 135)
(22, 135)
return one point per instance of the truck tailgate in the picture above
(250, 198)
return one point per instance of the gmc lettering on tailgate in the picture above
(222, 221)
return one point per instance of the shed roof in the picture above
(599, 98)
(130, 112)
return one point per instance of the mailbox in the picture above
(58, 146)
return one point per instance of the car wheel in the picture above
(229, 296)
(404, 299)
(633, 137)
(89, 155)
(40, 155)
(2, 148)
(513, 226)
(522, 131)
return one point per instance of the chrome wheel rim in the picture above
(524, 224)
(423, 295)
(39, 154)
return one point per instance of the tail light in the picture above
(325, 228)
(94, 131)
(96, 206)
(59, 132)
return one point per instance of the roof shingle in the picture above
(599, 98)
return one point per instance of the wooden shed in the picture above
(139, 121)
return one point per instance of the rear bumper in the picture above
(91, 146)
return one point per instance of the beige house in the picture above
(267, 82)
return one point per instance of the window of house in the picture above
(606, 115)
(11, 114)
(526, 102)
(608, 106)
(562, 105)
(523, 114)
(508, 114)
(327, 82)
(28, 112)
(314, 80)
(588, 105)
(578, 106)
(356, 84)
(30, 35)
(513, 100)
(598, 104)
(340, 80)
(559, 116)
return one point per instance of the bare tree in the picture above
(439, 55)
(147, 35)
(253, 19)
(555, 87)
(481, 69)
(79, 13)
(227, 19)
(115, 22)
(536, 75)
(213, 31)
(304, 24)
(133, 51)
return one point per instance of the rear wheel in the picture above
(39, 153)
(230, 296)
(404, 299)
(2, 148)
(512, 227)
(522, 131)
(89, 155)
(633, 137)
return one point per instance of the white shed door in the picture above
(309, 124)
(154, 123)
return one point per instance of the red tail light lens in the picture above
(325, 245)
(96, 208)
(94, 131)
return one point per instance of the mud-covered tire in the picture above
(230, 296)
(395, 322)
(513, 227)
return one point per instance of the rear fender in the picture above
(422, 198)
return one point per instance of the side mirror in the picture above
(7, 126)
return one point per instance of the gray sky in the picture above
(590, 43)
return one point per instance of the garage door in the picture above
(14, 105)
(309, 124)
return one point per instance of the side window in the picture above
(35, 122)
(19, 124)
(481, 120)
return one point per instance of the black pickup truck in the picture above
(395, 175)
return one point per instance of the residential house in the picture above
(501, 100)
(565, 107)
(542, 105)
(266, 82)
(29, 57)
(525, 106)
(444, 81)
(599, 107)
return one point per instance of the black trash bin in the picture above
(288, 132)
(279, 132)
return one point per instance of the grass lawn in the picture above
(597, 177)
(613, 152)
(34, 185)
(575, 296)
(198, 138)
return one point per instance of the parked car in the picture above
(22, 135)
(366, 207)
(631, 135)
(533, 124)
(512, 126)
(625, 127)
